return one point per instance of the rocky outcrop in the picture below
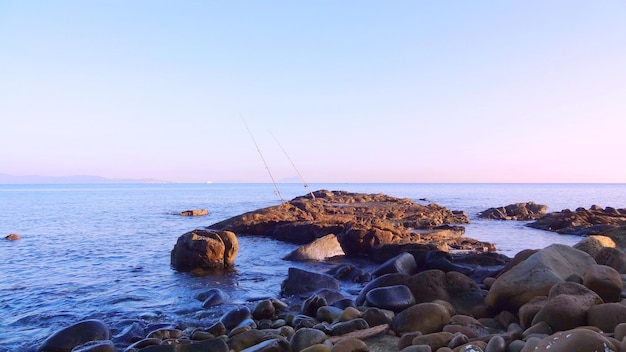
(201, 250)
(363, 223)
(194, 212)
(518, 211)
(583, 222)
(12, 237)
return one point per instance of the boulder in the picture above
(518, 211)
(394, 298)
(606, 316)
(605, 281)
(453, 287)
(613, 257)
(424, 317)
(201, 250)
(381, 281)
(567, 306)
(320, 249)
(594, 243)
(575, 340)
(536, 275)
(82, 332)
(300, 281)
(402, 263)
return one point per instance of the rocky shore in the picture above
(432, 290)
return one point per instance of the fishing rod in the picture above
(306, 185)
(264, 162)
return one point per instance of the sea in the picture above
(102, 251)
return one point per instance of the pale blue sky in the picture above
(355, 91)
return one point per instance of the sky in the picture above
(347, 91)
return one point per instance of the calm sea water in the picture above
(103, 251)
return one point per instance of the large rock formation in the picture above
(517, 211)
(362, 223)
(583, 222)
(200, 250)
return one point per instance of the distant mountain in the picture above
(76, 179)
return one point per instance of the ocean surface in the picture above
(103, 251)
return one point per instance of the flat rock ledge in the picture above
(362, 223)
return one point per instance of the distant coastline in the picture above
(75, 179)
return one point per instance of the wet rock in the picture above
(213, 297)
(66, 339)
(381, 281)
(605, 281)
(300, 281)
(235, 316)
(575, 340)
(536, 275)
(349, 272)
(202, 250)
(403, 263)
(132, 332)
(518, 211)
(394, 298)
(424, 317)
(320, 249)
